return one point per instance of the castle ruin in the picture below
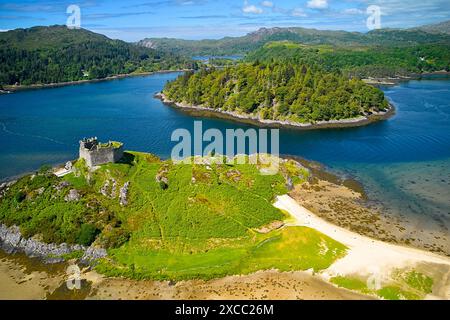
(95, 153)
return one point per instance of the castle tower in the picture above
(96, 153)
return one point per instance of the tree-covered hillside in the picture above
(255, 40)
(54, 54)
(278, 91)
(362, 61)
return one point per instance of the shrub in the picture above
(87, 234)
(20, 196)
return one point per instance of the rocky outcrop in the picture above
(104, 189)
(162, 176)
(73, 195)
(4, 187)
(11, 241)
(62, 185)
(109, 188)
(123, 194)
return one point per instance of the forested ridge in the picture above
(343, 39)
(362, 61)
(278, 91)
(41, 55)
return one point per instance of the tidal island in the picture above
(139, 218)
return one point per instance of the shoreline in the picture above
(12, 88)
(364, 251)
(27, 278)
(368, 257)
(12, 241)
(200, 111)
(393, 81)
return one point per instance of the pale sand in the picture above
(22, 278)
(365, 256)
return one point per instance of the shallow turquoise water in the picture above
(404, 162)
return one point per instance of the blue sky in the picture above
(199, 19)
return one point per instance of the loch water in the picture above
(403, 162)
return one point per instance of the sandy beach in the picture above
(366, 256)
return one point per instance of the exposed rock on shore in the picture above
(257, 120)
(11, 241)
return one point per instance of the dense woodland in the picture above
(43, 55)
(360, 62)
(278, 90)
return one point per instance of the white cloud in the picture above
(317, 4)
(352, 11)
(250, 8)
(267, 4)
(298, 12)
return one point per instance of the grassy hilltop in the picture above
(179, 221)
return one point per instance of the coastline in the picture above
(393, 81)
(364, 251)
(201, 111)
(367, 257)
(27, 278)
(12, 88)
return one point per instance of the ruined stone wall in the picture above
(100, 156)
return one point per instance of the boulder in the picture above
(73, 195)
(123, 194)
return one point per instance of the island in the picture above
(279, 94)
(134, 216)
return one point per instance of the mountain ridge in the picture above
(255, 39)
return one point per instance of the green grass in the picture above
(418, 281)
(292, 248)
(350, 283)
(202, 225)
(396, 293)
(403, 285)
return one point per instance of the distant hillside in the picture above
(41, 55)
(372, 61)
(443, 27)
(254, 40)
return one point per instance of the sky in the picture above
(134, 20)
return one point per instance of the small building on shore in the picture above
(96, 153)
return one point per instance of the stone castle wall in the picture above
(100, 155)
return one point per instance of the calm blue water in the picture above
(207, 58)
(404, 162)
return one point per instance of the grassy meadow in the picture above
(180, 221)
